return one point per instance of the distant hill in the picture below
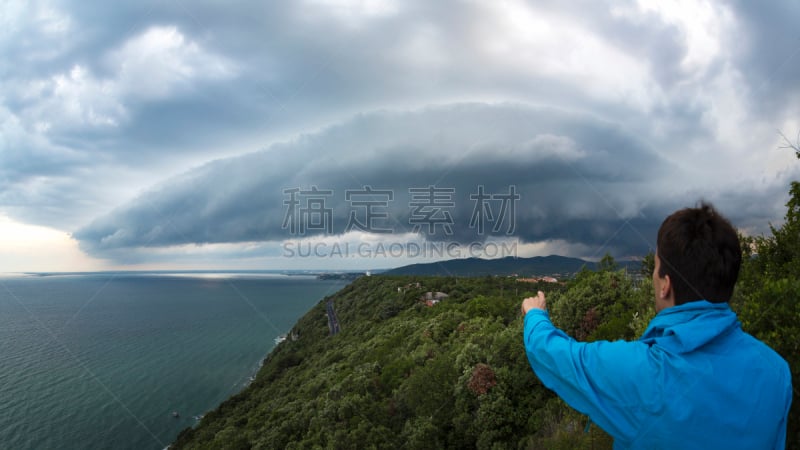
(467, 267)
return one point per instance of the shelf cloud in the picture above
(146, 126)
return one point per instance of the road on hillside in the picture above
(333, 321)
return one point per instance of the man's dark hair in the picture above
(699, 249)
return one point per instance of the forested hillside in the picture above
(402, 374)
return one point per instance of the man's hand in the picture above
(537, 302)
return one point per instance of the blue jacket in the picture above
(695, 380)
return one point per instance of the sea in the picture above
(128, 360)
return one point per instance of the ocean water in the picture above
(98, 361)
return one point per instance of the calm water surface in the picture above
(102, 360)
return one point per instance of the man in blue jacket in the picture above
(694, 380)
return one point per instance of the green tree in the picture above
(648, 264)
(607, 263)
(593, 300)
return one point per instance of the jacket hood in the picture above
(686, 327)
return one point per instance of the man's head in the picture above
(697, 257)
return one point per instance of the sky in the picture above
(365, 134)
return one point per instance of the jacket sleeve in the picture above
(612, 382)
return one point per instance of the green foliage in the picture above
(596, 305)
(645, 309)
(648, 265)
(607, 264)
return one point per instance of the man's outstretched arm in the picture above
(598, 379)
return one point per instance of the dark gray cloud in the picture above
(579, 178)
(103, 100)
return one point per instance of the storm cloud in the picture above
(605, 115)
(579, 179)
